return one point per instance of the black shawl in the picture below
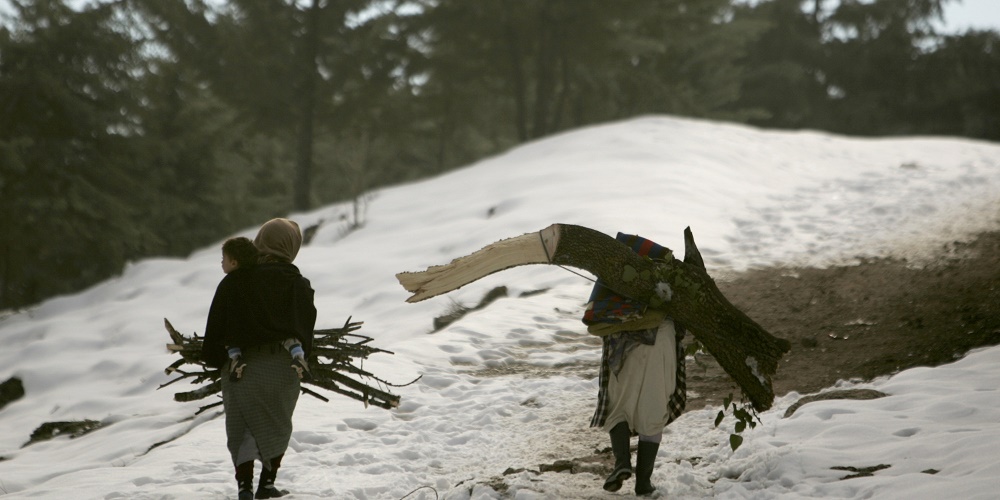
(265, 304)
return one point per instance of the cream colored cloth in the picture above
(641, 392)
(280, 239)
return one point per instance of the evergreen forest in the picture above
(141, 128)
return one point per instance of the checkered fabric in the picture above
(259, 406)
(678, 400)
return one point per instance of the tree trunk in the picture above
(514, 56)
(682, 289)
(544, 71)
(307, 102)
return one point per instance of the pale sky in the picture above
(980, 14)
(959, 14)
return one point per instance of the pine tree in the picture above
(69, 190)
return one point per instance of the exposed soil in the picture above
(854, 323)
(865, 321)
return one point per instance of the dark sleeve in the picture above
(305, 315)
(213, 349)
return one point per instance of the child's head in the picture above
(238, 253)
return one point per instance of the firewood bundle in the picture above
(332, 364)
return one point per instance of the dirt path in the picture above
(857, 322)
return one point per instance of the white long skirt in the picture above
(641, 392)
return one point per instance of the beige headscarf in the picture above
(278, 239)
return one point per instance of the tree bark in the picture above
(682, 289)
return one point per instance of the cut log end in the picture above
(530, 248)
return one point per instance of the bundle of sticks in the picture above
(332, 363)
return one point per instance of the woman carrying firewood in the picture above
(257, 311)
(642, 377)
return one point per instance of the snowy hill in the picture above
(515, 384)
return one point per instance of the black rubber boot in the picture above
(265, 488)
(645, 458)
(244, 480)
(620, 435)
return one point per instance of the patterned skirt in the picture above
(259, 407)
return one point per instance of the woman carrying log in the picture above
(642, 381)
(663, 293)
(257, 310)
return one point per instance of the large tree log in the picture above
(682, 289)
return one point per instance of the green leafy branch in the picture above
(743, 412)
(745, 415)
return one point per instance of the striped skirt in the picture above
(259, 407)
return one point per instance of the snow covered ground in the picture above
(514, 385)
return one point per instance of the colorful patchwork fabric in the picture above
(606, 306)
